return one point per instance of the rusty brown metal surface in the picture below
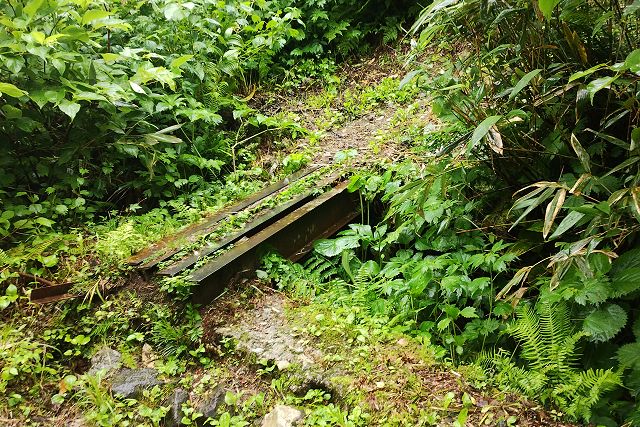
(249, 230)
(166, 248)
(47, 294)
(291, 236)
(260, 222)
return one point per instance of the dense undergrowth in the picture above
(509, 249)
(541, 292)
(108, 105)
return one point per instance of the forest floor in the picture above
(303, 349)
(263, 347)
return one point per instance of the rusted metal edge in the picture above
(333, 229)
(290, 236)
(47, 294)
(170, 246)
(249, 230)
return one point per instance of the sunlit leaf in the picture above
(176, 63)
(553, 208)
(69, 108)
(32, 7)
(597, 85)
(482, 129)
(582, 154)
(565, 225)
(523, 82)
(11, 90)
(547, 6)
(94, 15)
(334, 247)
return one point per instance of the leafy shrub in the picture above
(106, 103)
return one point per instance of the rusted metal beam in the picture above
(291, 236)
(53, 293)
(166, 248)
(249, 230)
(262, 221)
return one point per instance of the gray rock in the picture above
(131, 382)
(106, 359)
(212, 401)
(177, 398)
(282, 416)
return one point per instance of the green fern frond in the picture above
(526, 329)
(4, 259)
(590, 386)
(321, 268)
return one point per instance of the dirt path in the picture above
(360, 135)
(393, 378)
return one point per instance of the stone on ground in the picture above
(106, 359)
(131, 382)
(211, 402)
(174, 416)
(282, 416)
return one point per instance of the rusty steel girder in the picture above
(166, 248)
(291, 236)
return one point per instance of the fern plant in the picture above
(550, 352)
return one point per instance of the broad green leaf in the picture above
(625, 282)
(12, 291)
(136, 87)
(174, 12)
(483, 129)
(632, 8)
(633, 61)
(110, 57)
(636, 327)
(176, 63)
(38, 36)
(334, 247)
(547, 6)
(524, 81)
(605, 322)
(553, 208)
(69, 108)
(11, 294)
(635, 139)
(597, 85)
(32, 7)
(468, 313)
(94, 15)
(582, 154)
(443, 324)
(409, 77)
(629, 355)
(41, 97)
(49, 261)
(580, 74)
(11, 90)
(565, 225)
(45, 222)
(11, 112)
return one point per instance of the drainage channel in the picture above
(289, 228)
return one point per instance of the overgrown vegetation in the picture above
(506, 248)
